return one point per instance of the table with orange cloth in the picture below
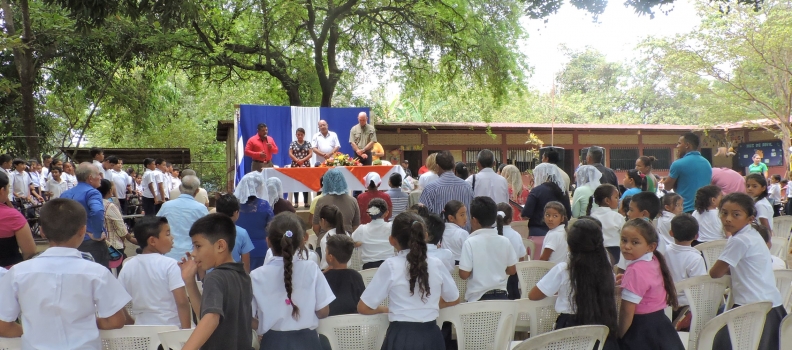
(307, 179)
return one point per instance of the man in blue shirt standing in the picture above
(86, 193)
(689, 172)
(182, 213)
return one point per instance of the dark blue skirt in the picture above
(413, 336)
(291, 340)
(652, 331)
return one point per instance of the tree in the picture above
(739, 64)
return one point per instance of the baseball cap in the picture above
(372, 176)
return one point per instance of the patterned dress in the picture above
(301, 151)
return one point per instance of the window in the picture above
(623, 158)
(471, 155)
(662, 155)
(523, 159)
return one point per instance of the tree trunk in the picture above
(785, 144)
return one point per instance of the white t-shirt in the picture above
(764, 210)
(441, 254)
(151, 279)
(149, 178)
(427, 178)
(310, 292)
(391, 281)
(99, 166)
(56, 188)
(612, 223)
(166, 182)
(516, 241)
(774, 194)
(557, 281)
(557, 241)
(684, 262)
(710, 225)
(490, 184)
(487, 255)
(120, 180)
(453, 239)
(664, 227)
(751, 268)
(374, 237)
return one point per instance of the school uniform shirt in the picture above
(751, 268)
(774, 194)
(347, 286)
(44, 175)
(556, 240)
(56, 188)
(778, 264)
(642, 284)
(242, 244)
(487, 255)
(374, 239)
(453, 239)
(764, 210)
(684, 262)
(98, 166)
(149, 177)
(710, 225)
(323, 246)
(516, 241)
(612, 223)
(392, 281)
(557, 281)
(310, 292)
(166, 182)
(441, 254)
(35, 179)
(664, 227)
(10, 173)
(20, 184)
(120, 181)
(307, 254)
(3, 271)
(60, 295)
(71, 180)
(151, 279)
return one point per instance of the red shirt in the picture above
(363, 200)
(255, 145)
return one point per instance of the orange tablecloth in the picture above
(310, 176)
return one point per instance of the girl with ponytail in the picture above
(287, 319)
(607, 199)
(647, 288)
(634, 183)
(492, 271)
(416, 285)
(331, 220)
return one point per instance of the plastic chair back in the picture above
(133, 337)
(536, 316)
(745, 326)
(10, 343)
(521, 227)
(354, 332)
(786, 333)
(530, 272)
(461, 284)
(780, 247)
(356, 262)
(368, 275)
(711, 251)
(572, 338)
(782, 225)
(530, 247)
(482, 324)
(174, 340)
(784, 284)
(705, 296)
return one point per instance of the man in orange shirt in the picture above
(261, 148)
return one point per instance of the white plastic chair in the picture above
(572, 338)
(780, 247)
(711, 251)
(530, 246)
(368, 275)
(530, 272)
(10, 343)
(536, 316)
(174, 340)
(521, 227)
(354, 332)
(705, 296)
(461, 284)
(356, 262)
(782, 225)
(133, 337)
(482, 324)
(786, 333)
(784, 284)
(745, 326)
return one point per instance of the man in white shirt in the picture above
(487, 182)
(325, 142)
(97, 154)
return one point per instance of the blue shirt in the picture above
(631, 192)
(91, 200)
(691, 172)
(242, 244)
(254, 216)
(182, 213)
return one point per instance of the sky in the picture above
(616, 33)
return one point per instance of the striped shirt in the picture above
(449, 187)
(399, 200)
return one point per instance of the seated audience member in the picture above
(372, 238)
(505, 210)
(89, 299)
(454, 236)
(228, 204)
(153, 280)
(398, 197)
(682, 259)
(434, 240)
(372, 181)
(347, 284)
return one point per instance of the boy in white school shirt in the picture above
(682, 259)
(487, 257)
(88, 297)
(154, 280)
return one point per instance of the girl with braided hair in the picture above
(289, 313)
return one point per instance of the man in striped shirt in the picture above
(447, 188)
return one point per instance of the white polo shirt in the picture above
(664, 227)
(442, 254)
(751, 268)
(98, 166)
(56, 188)
(120, 180)
(487, 255)
(325, 144)
(515, 239)
(490, 184)
(612, 223)
(71, 180)
(557, 281)
(166, 182)
(150, 177)
(309, 256)
(151, 279)
(392, 281)
(556, 240)
(764, 210)
(20, 184)
(374, 237)
(453, 239)
(310, 292)
(710, 226)
(60, 295)
(684, 262)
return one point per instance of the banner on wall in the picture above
(282, 124)
(772, 153)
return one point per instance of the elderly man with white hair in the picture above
(86, 193)
(181, 213)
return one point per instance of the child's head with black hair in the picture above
(707, 197)
(228, 204)
(639, 237)
(420, 209)
(484, 214)
(434, 228)
(672, 203)
(455, 213)
(644, 205)
(624, 208)
(395, 180)
(330, 217)
(738, 210)
(339, 251)
(409, 232)
(684, 229)
(508, 212)
(213, 237)
(775, 178)
(554, 214)
(606, 196)
(634, 179)
(756, 186)
(153, 235)
(19, 165)
(106, 188)
(62, 221)
(377, 209)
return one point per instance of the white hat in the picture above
(372, 176)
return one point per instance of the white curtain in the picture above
(308, 119)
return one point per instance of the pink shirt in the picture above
(12, 221)
(644, 279)
(728, 180)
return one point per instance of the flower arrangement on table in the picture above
(340, 159)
